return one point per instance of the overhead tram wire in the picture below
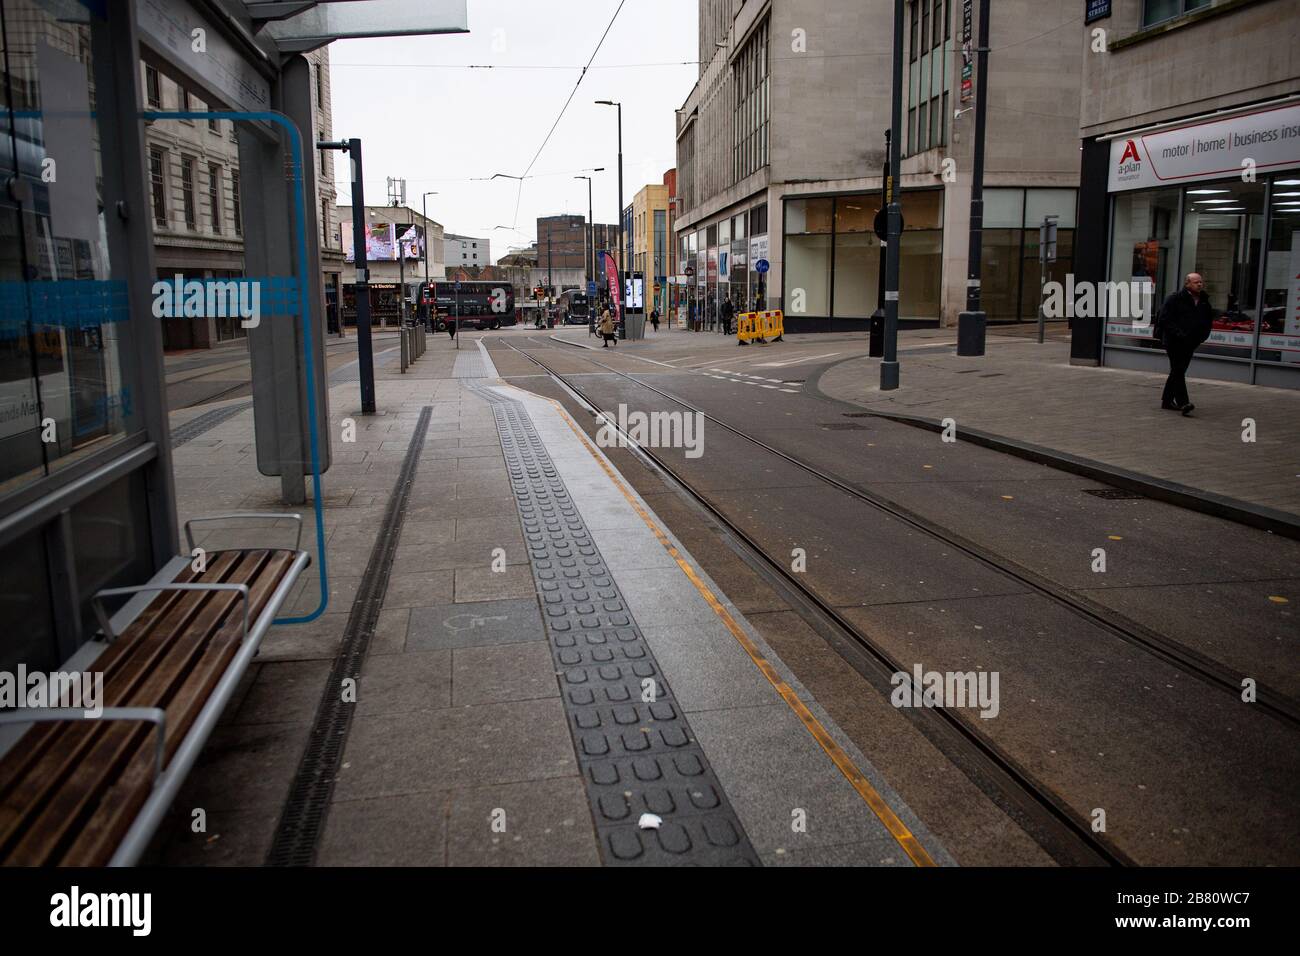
(514, 66)
(563, 109)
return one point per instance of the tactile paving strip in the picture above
(634, 745)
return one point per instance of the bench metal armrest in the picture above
(154, 715)
(102, 616)
(269, 515)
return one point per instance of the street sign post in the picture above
(761, 266)
(1046, 254)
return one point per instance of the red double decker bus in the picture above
(478, 304)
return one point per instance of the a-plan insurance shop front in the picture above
(1219, 196)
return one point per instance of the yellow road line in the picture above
(897, 829)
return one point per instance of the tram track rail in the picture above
(1057, 827)
(1214, 673)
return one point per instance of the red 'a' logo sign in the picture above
(1130, 149)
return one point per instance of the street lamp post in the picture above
(623, 263)
(894, 217)
(365, 347)
(971, 323)
(424, 212)
(589, 239)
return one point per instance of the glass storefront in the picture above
(1242, 237)
(808, 245)
(724, 254)
(1009, 269)
(832, 256)
(759, 250)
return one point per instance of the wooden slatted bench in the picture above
(89, 791)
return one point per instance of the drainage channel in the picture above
(298, 833)
(634, 746)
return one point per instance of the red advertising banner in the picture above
(615, 287)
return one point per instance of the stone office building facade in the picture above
(1191, 163)
(780, 154)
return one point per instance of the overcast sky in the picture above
(422, 115)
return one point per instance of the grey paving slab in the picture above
(709, 669)
(537, 823)
(400, 683)
(455, 747)
(404, 830)
(470, 553)
(245, 767)
(502, 672)
(847, 854)
(665, 596)
(497, 507)
(777, 775)
(284, 692)
(627, 551)
(342, 592)
(317, 640)
(489, 584)
(608, 514)
(427, 531)
(419, 589)
(478, 451)
(474, 624)
(232, 838)
(390, 631)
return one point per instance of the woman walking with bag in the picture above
(607, 329)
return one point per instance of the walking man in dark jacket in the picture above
(1182, 324)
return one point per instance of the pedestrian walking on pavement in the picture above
(1181, 325)
(654, 319)
(607, 329)
(725, 314)
(451, 327)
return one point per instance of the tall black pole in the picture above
(972, 322)
(884, 204)
(876, 341)
(591, 245)
(894, 216)
(622, 306)
(401, 281)
(365, 347)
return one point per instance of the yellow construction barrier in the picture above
(748, 328)
(759, 327)
(773, 325)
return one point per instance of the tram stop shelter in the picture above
(87, 491)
